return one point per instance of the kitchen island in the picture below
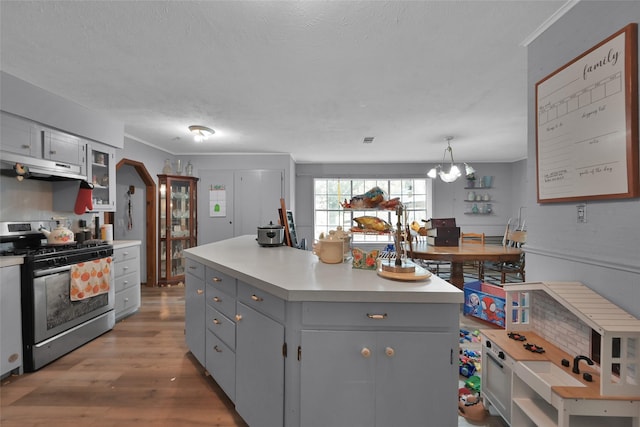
(296, 342)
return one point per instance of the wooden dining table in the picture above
(465, 252)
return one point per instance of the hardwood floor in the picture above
(140, 373)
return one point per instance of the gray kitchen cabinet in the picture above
(126, 268)
(63, 147)
(195, 310)
(309, 351)
(259, 367)
(369, 357)
(101, 172)
(19, 135)
(10, 321)
(220, 310)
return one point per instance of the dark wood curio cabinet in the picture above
(178, 228)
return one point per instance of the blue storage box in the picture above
(485, 301)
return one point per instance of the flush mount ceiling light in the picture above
(201, 133)
(454, 172)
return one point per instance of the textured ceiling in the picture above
(310, 78)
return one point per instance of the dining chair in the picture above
(509, 271)
(473, 238)
(439, 268)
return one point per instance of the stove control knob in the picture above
(488, 344)
(501, 355)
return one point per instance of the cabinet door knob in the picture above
(217, 349)
(238, 317)
(216, 279)
(200, 291)
(216, 322)
(389, 351)
(25, 146)
(216, 299)
(256, 298)
(365, 352)
(377, 316)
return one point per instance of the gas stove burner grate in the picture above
(533, 348)
(516, 336)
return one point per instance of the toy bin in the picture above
(485, 301)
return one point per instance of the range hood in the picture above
(17, 165)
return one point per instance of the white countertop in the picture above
(119, 244)
(8, 261)
(298, 275)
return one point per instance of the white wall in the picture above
(604, 253)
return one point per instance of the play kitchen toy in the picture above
(60, 235)
(270, 235)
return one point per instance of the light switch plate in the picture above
(582, 213)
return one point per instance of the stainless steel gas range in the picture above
(54, 322)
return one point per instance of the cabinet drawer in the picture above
(127, 300)
(126, 267)
(124, 254)
(424, 316)
(195, 268)
(220, 301)
(127, 281)
(262, 301)
(221, 281)
(221, 364)
(222, 326)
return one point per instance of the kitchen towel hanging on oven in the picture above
(90, 278)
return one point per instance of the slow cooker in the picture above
(270, 235)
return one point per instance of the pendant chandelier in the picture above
(454, 171)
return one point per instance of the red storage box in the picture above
(485, 302)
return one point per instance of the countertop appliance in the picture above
(497, 367)
(52, 323)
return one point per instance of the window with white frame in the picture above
(329, 193)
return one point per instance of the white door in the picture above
(257, 199)
(215, 226)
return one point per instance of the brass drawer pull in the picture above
(365, 352)
(216, 299)
(216, 322)
(377, 316)
(256, 298)
(200, 291)
(216, 279)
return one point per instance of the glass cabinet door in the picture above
(177, 228)
(101, 171)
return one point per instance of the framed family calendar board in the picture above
(587, 124)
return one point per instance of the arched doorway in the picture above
(151, 229)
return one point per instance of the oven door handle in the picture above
(496, 361)
(49, 271)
